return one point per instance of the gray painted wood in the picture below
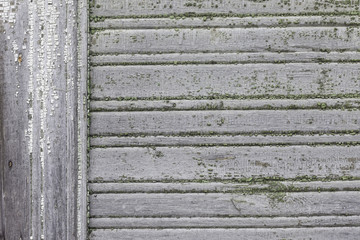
(39, 119)
(194, 163)
(82, 112)
(14, 152)
(161, 79)
(239, 80)
(233, 22)
(225, 40)
(234, 122)
(250, 7)
(350, 233)
(225, 205)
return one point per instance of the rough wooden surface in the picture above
(187, 163)
(39, 119)
(14, 153)
(214, 119)
(224, 80)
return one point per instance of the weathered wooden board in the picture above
(219, 122)
(194, 163)
(237, 80)
(225, 205)
(200, 107)
(38, 119)
(231, 22)
(321, 233)
(14, 152)
(247, 7)
(225, 40)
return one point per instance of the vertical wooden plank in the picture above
(13, 119)
(39, 119)
(82, 201)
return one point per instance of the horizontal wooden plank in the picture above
(290, 186)
(194, 163)
(223, 58)
(234, 222)
(238, 140)
(228, 234)
(248, 7)
(222, 122)
(225, 205)
(236, 80)
(234, 22)
(225, 104)
(225, 40)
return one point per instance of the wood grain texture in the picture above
(194, 163)
(248, 7)
(82, 111)
(230, 119)
(289, 39)
(231, 22)
(39, 88)
(237, 80)
(14, 152)
(225, 205)
(219, 122)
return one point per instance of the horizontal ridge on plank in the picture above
(327, 233)
(240, 140)
(224, 187)
(168, 7)
(234, 222)
(222, 121)
(201, 81)
(284, 204)
(206, 163)
(175, 105)
(223, 58)
(225, 39)
(232, 22)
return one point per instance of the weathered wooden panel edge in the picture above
(82, 198)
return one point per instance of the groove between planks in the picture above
(226, 104)
(223, 58)
(235, 222)
(349, 233)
